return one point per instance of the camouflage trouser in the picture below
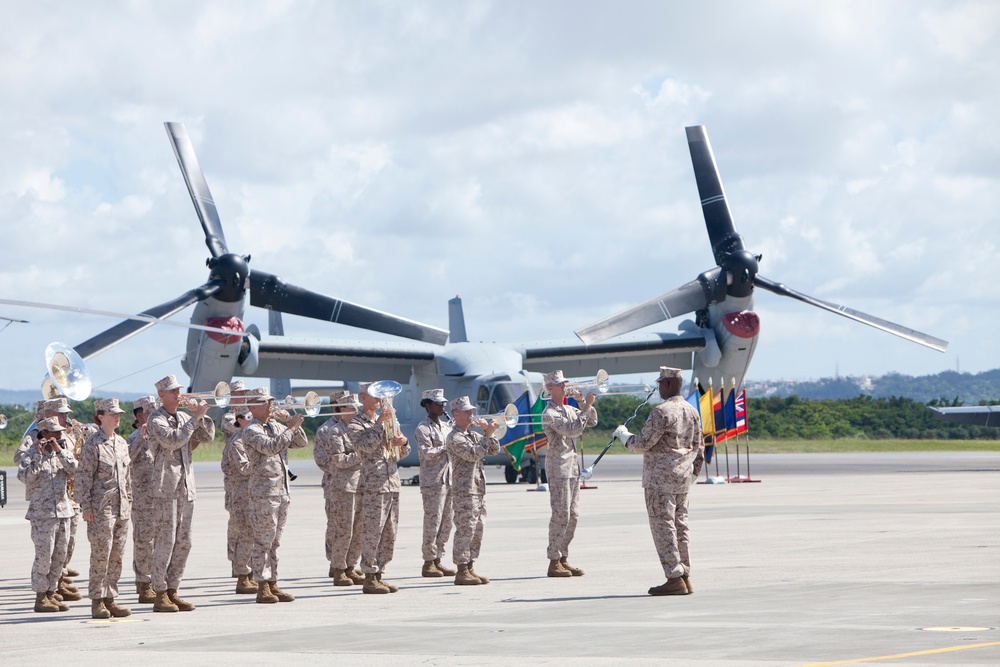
(172, 542)
(564, 497)
(107, 534)
(239, 534)
(437, 519)
(143, 532)
(343, 529)
(470, 515)
(71, 540)
(267, 519)
(50, 537)
(379, 523)
(668, 521)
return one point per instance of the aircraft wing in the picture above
(637, 353)
(980, 415)
(350, 361)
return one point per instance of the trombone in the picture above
(3, 422)
(600, 382)
(221, 396)
(311, 403)
(505, 420)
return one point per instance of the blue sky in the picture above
(530, 157)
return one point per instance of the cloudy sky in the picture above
(529, 156)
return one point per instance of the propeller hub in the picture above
(741, 268)
(232, 270)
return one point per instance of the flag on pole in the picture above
(730, 410)
(719, 416)
(707, 422)
(539, 440)
(741, 411)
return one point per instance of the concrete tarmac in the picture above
(831, 559)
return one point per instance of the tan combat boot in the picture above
(464, 577)
(673, 586)
(446, 571)
(472, 571)
(340, 578)
(430, 569)
(356, 575)
(182, 605)
(556, 569)
(392, 589)
(687, 583)
(163, 602)
(67, 583)
(60, 605)
(575, 571)
(70, 572)
(116, 610)
(280, 594)
(68, 593)
(144, 590)
(333, 571)
(264, 594)
(373, 585)
(43, 603)
(244, 586)
(98, 610)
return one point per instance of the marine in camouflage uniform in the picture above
(172, 435)
(341, 466)
(235, 478)
(563, 426)
(378, 488)
(45, 475)
(672, 457)
(266, 440)
(466, 450)
(104, 491)
(435, 482)
(143, 517)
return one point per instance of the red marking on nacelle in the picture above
(745, 324)
(229, 323)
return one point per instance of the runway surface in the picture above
(830, 559)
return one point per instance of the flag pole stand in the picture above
(583, 480)
(716, 479)
(744, 480)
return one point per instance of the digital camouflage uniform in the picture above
(265, 444)
(341, 466)
(45, 477)
(435, 485)
(563, 425)
(378, 492)
(466, 450)
(103, 486)
(171, 438)
(672, 456)
(143, 517)
(235, 480)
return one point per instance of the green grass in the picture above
(594, 442)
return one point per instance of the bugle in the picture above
(385, 390)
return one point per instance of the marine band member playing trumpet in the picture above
(267, 442)
(435, 482)
(563, 425)
(466, 450)
(378, 487)
(172, 435)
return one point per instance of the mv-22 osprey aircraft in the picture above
(718, 343)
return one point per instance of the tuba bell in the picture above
(67, 373)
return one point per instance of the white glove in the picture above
(622, 434)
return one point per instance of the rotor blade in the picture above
(685, 299)
(718, 219)
(270, 291)
(856, 315)
(197, 186)
(147, 318)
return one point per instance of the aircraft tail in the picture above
(456, 321)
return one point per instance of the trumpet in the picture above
(221, 396)
(3, 422)
(385, 390)
(600, 382)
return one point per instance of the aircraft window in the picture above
(483, 400)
